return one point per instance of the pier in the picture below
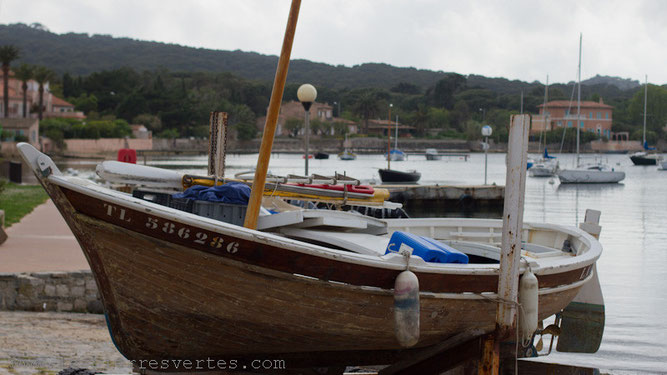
(447, 197)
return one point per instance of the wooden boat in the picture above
(319, 293)
(321, 155)
(392, 175)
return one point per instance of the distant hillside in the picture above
(621, 83)
(81, 54)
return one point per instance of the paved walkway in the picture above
(41, 241)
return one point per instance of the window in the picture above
(581, 124)
(569, 124)
(590, 114)
(560, 124)
(606, 115)
(599, 115)
(567, 112)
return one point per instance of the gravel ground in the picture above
(48, 342)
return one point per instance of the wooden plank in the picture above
(510, 252)
(515, 187)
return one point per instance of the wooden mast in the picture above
(255, 201)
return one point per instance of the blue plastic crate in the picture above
(426, 248)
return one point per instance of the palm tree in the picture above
(8, 54)
(42, 75)
(24, 73)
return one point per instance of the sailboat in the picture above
(547, 165)
(597, 173)
(347, 154)
(395, 154)
(393, 175)
(644, 157)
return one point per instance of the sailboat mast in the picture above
(544, 109)
(389, 137)
(645, 96)
(396, 135)
(578, 97)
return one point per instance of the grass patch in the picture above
(20, 200)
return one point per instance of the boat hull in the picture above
(391, 175)
(165, 300)
(176, 286)
(585, 176)
(644, 160)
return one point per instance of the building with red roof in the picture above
(593, 117)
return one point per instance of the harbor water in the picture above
(633, 265)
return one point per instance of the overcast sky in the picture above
(521, 39)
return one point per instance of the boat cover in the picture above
(426, 248)
(231, 192)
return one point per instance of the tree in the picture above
(367, 107)
(444, 90)
(24, 73)
(8, 54)
(293, 126)
(42, 76)
(151, 122)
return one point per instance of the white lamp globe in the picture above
(306, 93)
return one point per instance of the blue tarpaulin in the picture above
(231, 192)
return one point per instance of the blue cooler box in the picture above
(426, 248)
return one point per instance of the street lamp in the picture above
(306, 94)
(486, 132)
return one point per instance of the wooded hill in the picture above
(82, 54)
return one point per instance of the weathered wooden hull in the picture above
(165, 300)
(175, 286)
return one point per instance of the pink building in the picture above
(594, 117)
(52, 105)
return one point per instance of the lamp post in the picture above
(486, 132)
(307, 95)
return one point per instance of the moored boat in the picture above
(392, 175)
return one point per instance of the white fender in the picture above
(406, 309)
(528, 298)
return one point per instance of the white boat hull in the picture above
(589, 176)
